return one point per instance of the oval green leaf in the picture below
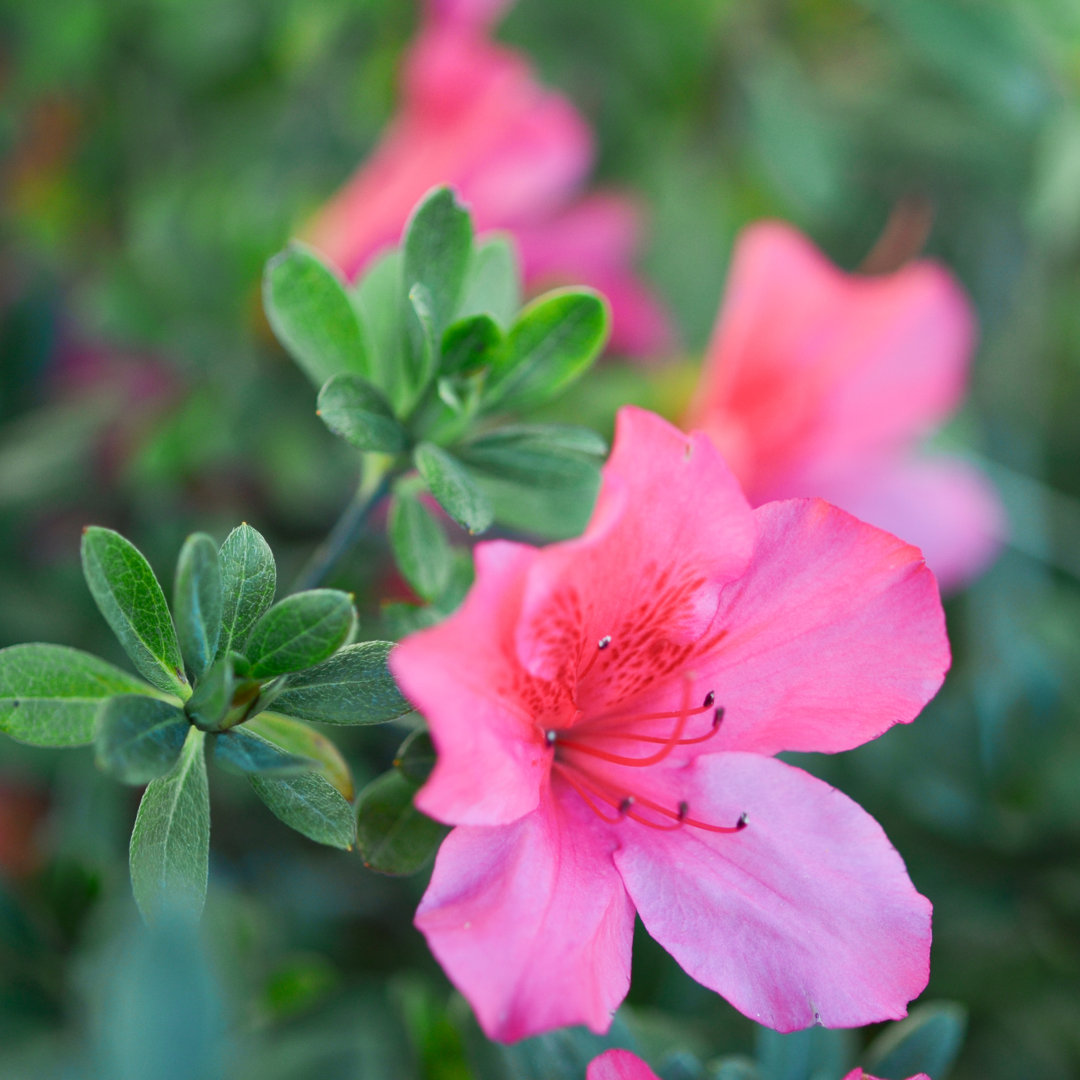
(197, 601)
(554, 342)
(469, 345)
(358, 413)
(212, 697)
(311, 805)
(416, 757)
(129, 597)
(299, 631)
(927, 1041)
(419, 544)
(437, 252)
(493, 284)
(392, 835)
(456, 491)
(295, 737)
(312, 316)
(249, 580)
(242, 751)
(139, 738)
(170, 844)
(50, 694)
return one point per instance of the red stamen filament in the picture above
(601, 645)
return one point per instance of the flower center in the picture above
(583, 749)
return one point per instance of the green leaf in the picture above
(50, 694)
(130, 598)
(299, 631)
(249, 580)
(170, 844)
(377, 296)
(311, 805)
(494, 282)
(239, 750)
(421, 354)
(213, 695)
(139, 738)
(536, 456)
(437, 252)
(796, 1055)
(554, 342)
(419, 544)
(416, 757)
(312, 316)
(927, 1041)
(455, 489)
(469, 345)
(197, 598)
(295, 737)
(358, 413)
(392, 835)
(543, 479)
(353, 687)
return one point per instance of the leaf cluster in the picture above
(227, 674)
(425, 363)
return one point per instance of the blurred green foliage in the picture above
(155, 153)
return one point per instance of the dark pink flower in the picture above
(619, 1065)
(819, 382)
(474, 116)
(606, 709)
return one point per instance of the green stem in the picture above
(374, 485)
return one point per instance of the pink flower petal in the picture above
(834, 633)
(669, 529)
(807, 915)
(943, 505)
(490, 767)
(619, 1065)
(531, 922)
(810, 367)
(471, 13)
(858, 1074)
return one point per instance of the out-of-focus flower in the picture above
(819, 382)
(22, 809)
(858, 1074)
(473, 115)
(605, 711)
(619, 1065)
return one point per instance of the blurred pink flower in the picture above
(575, 703)
(858, 1074)
(619, 1065)
(473, 115)
(819, 382)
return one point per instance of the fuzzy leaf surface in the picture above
(299, 631)
(419, 544)
(357, 412)
(197, 602)
(455, 489)
(312, 316)
(437, 253)
(50, 694)
(296, 737)
(129, 597)
(554, 342)
(139, 738)
(170, 844)
(249, 581)
(311, 805)
(392, 835)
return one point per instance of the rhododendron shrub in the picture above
(606, 713)
(819, 382)
(473, 115)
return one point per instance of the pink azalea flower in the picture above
(821, 383)
(606, 711)
(474, 116)
(619, 1065)
(858, 1074)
